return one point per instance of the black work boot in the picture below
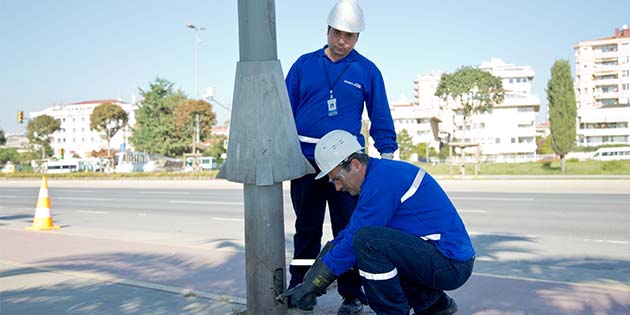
(444, 306)
(350, 306)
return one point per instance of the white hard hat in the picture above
(334, 148)
(347, 16)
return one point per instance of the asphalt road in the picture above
(574, 231)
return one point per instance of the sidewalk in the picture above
(59, 273)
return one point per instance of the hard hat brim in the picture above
(323, 173)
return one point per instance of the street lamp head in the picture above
(195, 28)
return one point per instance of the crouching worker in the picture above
(405, 235)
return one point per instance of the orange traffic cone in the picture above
(43, 218)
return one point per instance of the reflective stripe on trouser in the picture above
(302, 262)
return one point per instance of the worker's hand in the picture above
(303, 296)
(316, 280)
(387, 156)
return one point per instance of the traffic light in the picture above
(20, 117)
(61, 152)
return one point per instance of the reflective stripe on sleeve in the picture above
(307, 139)
(302, 262)
(378, 276)
(414, 186)
(432, 237)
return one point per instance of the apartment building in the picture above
(76, 137)
(602, 89)
(505, 134)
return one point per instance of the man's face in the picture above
(341, 43)
(347, 180)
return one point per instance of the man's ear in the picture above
(356, 164)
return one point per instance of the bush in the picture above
(9, 154)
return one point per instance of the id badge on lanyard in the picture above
(332, 101)
(332, 106)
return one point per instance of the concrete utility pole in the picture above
(263, 152)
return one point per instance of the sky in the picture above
(68, 51)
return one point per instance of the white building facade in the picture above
(602, 89)
(76, 137)
(505, 134)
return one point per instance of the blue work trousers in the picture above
(402, 271)
(309, 197)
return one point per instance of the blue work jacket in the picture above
(404, 197)
(356, 83)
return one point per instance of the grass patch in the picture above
(90, 175)
(574, 167)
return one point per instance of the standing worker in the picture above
(329, 89)
(405, 235)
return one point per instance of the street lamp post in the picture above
(197, 42)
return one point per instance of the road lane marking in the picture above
(608, 241)
(217, 203)
(78, 191)
(164, 192)
(92, 211)
(492, 199)
(84, 199)
(504, 234)
(228, 219)
(472, 211)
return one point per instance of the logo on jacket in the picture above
(356, 85)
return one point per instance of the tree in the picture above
(108, 118)
(9, 155)
(421, 150)
(3, 140)
(217, 147)
(39, 129)
(405, 145)
(562, 110)
(185, 119)
(473, 90)
(155, 130)
(543, 145)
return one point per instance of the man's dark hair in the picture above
(359, 156)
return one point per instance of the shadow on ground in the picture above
(483, 294)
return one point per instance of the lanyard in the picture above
(330, 86)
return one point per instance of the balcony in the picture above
(606, 69)
(600, 55)
(605, 81)
(606, 95)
